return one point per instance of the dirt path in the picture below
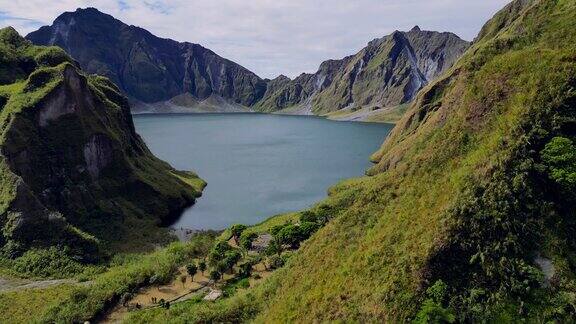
(13, 284)
(175, 291)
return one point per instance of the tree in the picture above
(237, 230)
(245, 269)
(324, 214)
(307, 229)
(274, 247)
(432, 309)
(277, 228)
(308, 216)
(230, 259)
(215, 275)
(290, 235)
(246, 240)
(218, 252)
(192, 269)
(202, 266)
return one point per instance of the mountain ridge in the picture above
(386, 73)
(148, 68)
(155, 71)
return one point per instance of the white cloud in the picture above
(270, 37)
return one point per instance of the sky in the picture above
(270, 37)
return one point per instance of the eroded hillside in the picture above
(73, 171)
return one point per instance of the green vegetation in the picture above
(246, 240)
(466, 216)
(236, 231)
(26, 306)
(469, 195)
(433, 308)
(125, 275)
(192, 269)
(560, 157)
(77, 184)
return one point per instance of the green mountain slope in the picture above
(460, 192)
(467, 214)
(73, 171)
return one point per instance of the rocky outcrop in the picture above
(162, 75)
(386, 73)
(147, 68)
(73, 171)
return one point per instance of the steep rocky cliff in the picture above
(386, 73)
(73, 171)
(162, 75)
(148, 68)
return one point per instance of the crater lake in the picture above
(259, 165)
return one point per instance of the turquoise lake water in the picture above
(259, 165)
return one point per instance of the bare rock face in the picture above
(98, 154)
(388, 72)
(157, 72)
(145, 67)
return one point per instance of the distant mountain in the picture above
(148, 68)
(388, 72)
(162, 75)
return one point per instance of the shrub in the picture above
(290, 235)
(307, 229)
(308, 216)
(275, 262)
(52, 262)
(246, 240)
(559, 155)
(236, 230)
(432, 310)
(215, 275)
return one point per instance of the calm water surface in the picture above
(259, 165)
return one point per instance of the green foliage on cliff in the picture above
(73, 172)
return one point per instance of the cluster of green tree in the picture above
(222, 258)
(292, 235)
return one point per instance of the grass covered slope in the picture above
(470, 198)
(468, 212)
(73, 171)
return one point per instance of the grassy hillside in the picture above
(101, 288)
(73, 172)
(468, 211)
